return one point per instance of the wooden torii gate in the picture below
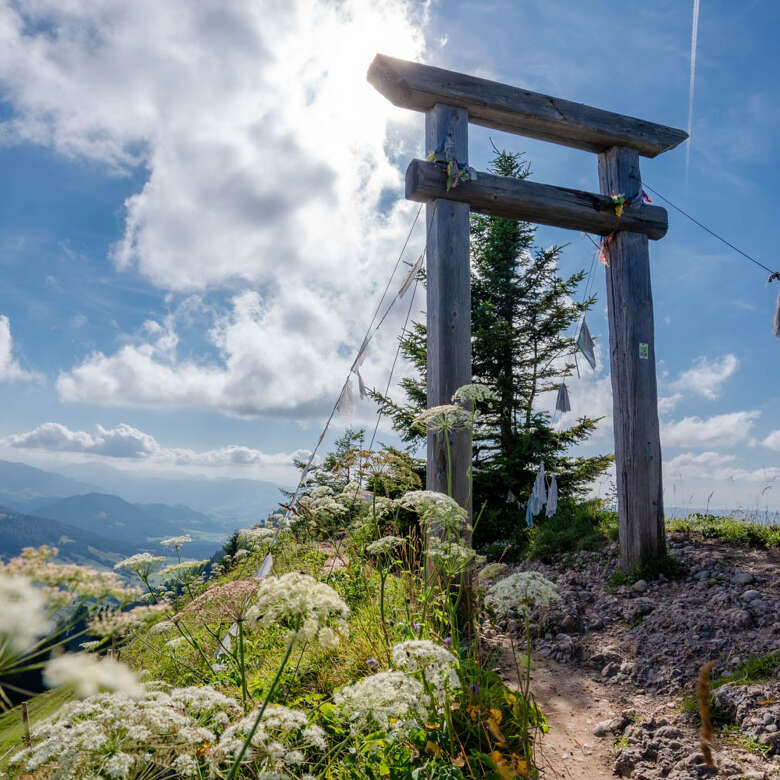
(450, 101)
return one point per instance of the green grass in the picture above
(754, 670)
(574, 527)
(39, 708)
(729, 529)
(668, 565)
(731, 735)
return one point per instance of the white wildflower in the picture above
(301, 604)
(119, 765)
(452, 558)
(472, 393)
(524, 589)
(391, 701)
(23, 618)
(384, 546)
(284, 737)
(176, 642)
(176, 541)
(141, 564)
(89, 675)
(255, 538)
(438, 665)
(437, 511)
(162, 627)
(185, 765)
(182, 572)
(439, 418)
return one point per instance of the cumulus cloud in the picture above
(272, 165)
(127, 442)
(10, 370)
(697, 465)
(772, 441)
(706, 377)
(265, 363)
(718, 430)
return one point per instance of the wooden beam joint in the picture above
(502, 196)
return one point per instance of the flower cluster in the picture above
(452, 558)
(437, 511)
(183, 573)
(384, 546)
(522, 590)
(176, 541)
(438, 666)
(307, 608)
(111, 735)
(472, 393)
(64, 583)
(222, 602)
(284, 742)
(448, 417)
(141, 564)
(107, 622)
(23, 617)
(255, 538)
(89, 675)
(392, 701)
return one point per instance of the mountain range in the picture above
(109, 514)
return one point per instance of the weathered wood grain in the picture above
(448, 306)
(634, 390)
(501, 196)
(489, 103)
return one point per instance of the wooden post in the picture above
(632, 361)
(448, 304)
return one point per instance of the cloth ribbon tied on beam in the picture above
(457, 172)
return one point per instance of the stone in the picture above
(610, 670)
(668, 732)
(750, 595)
(640, 586)
(611, 726)
(743, 578)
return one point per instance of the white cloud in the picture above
(689, 465)
(126, 442)
(772, 441)
(272, 165)
(667, 403)
(269, 361)
(706, 376)
(719, 430)
(10, 370)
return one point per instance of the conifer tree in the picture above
(523, 347)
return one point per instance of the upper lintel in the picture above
(420, 87)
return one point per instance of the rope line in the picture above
(708, 230)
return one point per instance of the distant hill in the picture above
(21, 486)
(75, 545)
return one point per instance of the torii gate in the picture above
(450, 101)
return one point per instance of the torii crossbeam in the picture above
(450, 101)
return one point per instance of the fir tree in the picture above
(522, 311)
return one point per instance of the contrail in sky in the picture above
(694, 36)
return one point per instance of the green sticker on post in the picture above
(643, 352)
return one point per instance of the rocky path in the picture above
(613, 665)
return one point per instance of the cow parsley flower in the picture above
(23, 618)
(471, 393)
(392, 701)
(437, 664)
(255, 538)
(176, 541)
(437, 511)
(89, 675)
(452, 558)
(302, 605)
(141, 564)
(384, 546)
(446, 417)
(283, 739)
(524, 589)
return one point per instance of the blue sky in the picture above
(202, 202)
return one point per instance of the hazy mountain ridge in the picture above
(75, 545)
